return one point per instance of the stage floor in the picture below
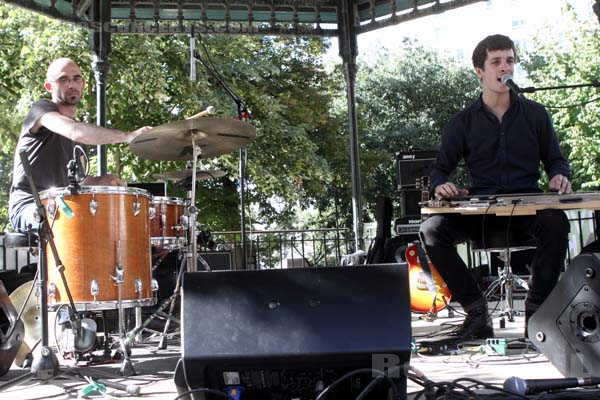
(155, 368)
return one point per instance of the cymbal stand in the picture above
(126, 365)
(46, 367)
(191, 255)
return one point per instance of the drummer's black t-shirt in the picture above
(47, 152)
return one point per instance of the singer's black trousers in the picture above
(549, 228)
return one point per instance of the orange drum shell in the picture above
(87, 245)
(173, 209)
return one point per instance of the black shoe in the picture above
(477, 325)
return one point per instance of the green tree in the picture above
(281, 80)
(572, 59)
(404, 101)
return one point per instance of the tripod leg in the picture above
(162, 344)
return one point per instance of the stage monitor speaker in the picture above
(566, 328)
(11, 331)
(287, 334)
(412, 166)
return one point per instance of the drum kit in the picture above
(106, 235)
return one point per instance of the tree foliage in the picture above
(572, 59)
(404, 101)
(281, 80)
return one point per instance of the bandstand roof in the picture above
(273, 17)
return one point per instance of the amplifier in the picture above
(413, 166)
(407, 225)
(217, 260)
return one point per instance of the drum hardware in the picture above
(126, 366)
(45, 365)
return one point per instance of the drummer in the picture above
(49, 135)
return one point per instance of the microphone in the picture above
(529, 386)
(507, 80)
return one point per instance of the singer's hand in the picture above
(560, 184)
(104, 180)
(448, 190)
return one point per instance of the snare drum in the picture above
(166, 224)
(96, 230)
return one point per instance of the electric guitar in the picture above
(429, 293)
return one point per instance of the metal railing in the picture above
(286, 248)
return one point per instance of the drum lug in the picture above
(154, 285)
(139, 286)
(51, 208)
(151, 212)
(93, 206)
(52, 291)
(137, 207)
(94, 289)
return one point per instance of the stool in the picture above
(15, 240)
(497, 241)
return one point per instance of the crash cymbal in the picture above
(173, 141)
(187, 173)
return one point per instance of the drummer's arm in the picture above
(104, 180)
(82, 132)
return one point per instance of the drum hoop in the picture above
(178, 201)
(53, 192)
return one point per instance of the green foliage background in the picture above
(298, 167)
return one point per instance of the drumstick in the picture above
(209, 110)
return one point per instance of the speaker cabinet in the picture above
(566, 328)
(217, 260)
(283, 334)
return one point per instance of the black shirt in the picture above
(502, 157)
(47, 152)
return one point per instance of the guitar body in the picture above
(421, 297)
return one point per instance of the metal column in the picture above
(348, 53)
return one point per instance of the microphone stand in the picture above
(532, 89)
(47, 367)
(243, 115)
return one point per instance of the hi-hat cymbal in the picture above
(187, 173)
(173, 141)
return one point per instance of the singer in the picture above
(502, 140)
(49, 134)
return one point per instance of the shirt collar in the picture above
(478, 103)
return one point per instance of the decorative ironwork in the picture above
(262, 17)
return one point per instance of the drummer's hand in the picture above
(133, 134)
(448, 190)
(104, 180)
(560, 184)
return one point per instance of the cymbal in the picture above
(173, 141)
(187, 173)
(30, 318)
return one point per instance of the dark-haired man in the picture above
(502, 139)
(49, 134)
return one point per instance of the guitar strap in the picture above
(431, 286)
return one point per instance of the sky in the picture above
(456, 32)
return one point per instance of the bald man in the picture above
(49, 134)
